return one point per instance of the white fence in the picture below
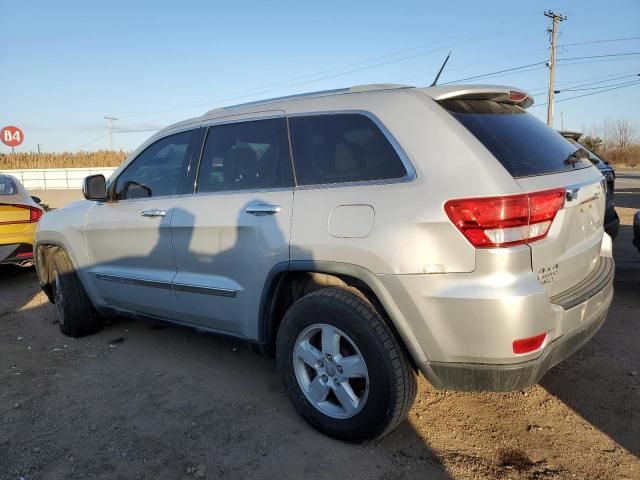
(56, 178)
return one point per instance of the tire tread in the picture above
(81, 318)
(403, 381)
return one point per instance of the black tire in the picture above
(76, 315)
(392, 380)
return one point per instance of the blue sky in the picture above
(66, 64)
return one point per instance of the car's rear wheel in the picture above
(76, 315)
(342, 366)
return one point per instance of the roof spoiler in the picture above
(500, 94)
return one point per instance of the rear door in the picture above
(234, 231)
(541, 159)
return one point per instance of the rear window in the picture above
(524, 145)
(7, 186)
(339, 148)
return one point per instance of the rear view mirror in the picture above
(94, 187)
(36, 199)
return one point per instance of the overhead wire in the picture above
(588, 94)
(594, 88)
(581, 82)
(294, 82)
(593, 42)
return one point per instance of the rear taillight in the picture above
(490, 222)
(528, 345)
(34, 215)
(515, 96)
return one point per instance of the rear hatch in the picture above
(540, 159)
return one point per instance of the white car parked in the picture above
(360, 235)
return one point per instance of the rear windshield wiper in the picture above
(577, 156)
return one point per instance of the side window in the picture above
(245, 156)
(336, 148)
(7, 186)
(159, 170)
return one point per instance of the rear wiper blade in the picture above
(577, 156)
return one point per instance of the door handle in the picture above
(154, 213)
(263, 209)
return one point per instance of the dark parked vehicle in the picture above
(611, 220)
(636, 230)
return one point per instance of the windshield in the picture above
(524, 145)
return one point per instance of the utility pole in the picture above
(110, 126)
(39, 148)
(553, 31)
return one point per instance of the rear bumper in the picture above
(588, 301)
(507, 378)
(16, 253)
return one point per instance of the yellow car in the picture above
(19, 216)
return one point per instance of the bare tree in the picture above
(618, 134)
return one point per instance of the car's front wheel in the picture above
(342, 366)
(76, 315)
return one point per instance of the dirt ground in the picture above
(144, 401)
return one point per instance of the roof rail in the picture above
(320, 93)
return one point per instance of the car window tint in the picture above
(524, 145)
(246, 155)
(7, 186)
(336, 148)
(159, 170)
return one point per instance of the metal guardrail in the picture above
(56, 178)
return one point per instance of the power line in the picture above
(519, 55)
(580, 83)
(588, 94)
(492, 74)
(287, 84)
(596, 59)
(599, 56)
(595, 88)
(593, 42)
(91, 141)
(123, 130)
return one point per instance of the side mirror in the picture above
(94, 187)
(36, 199)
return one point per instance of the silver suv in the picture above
(358, 235)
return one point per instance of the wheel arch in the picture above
(43, 253)
(289, 281)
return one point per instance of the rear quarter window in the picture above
(523, 144)
(341, 148)
(8, 186)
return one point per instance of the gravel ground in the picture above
(145, 401)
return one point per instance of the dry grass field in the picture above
(101, 158)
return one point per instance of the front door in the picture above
(129, 238)
(235, 229)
